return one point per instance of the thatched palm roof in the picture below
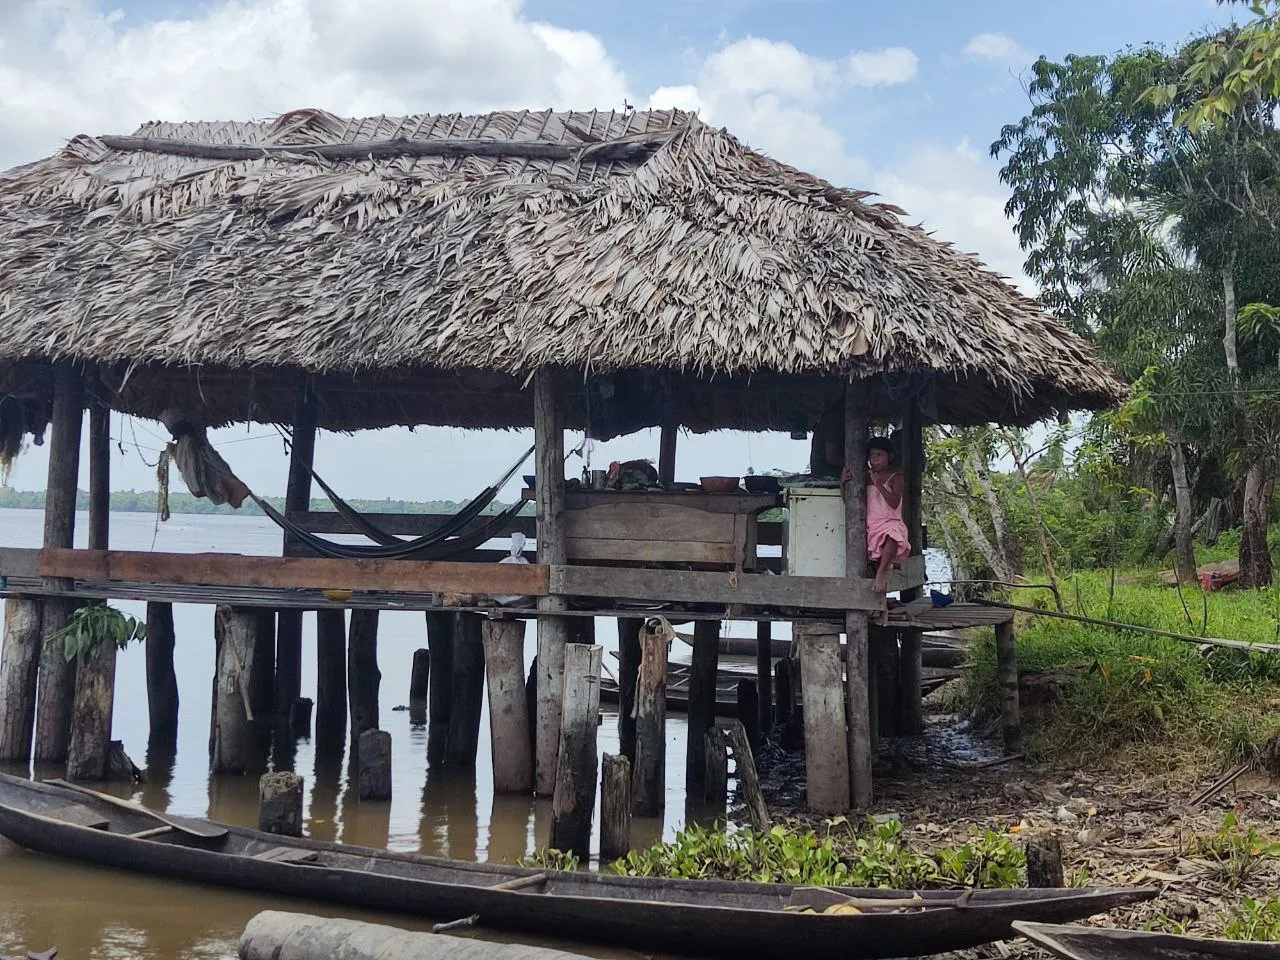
(422, 268)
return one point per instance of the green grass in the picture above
(1125, 688)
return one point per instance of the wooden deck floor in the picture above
(923, 615)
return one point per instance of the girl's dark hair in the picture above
(880, 443)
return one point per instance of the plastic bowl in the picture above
(719, 484)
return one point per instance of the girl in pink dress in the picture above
(887, 544)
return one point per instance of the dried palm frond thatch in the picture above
(422, 267)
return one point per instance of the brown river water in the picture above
(94, 913)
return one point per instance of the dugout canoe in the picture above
(1099, 943)
(701, 918)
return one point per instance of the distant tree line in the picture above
(134, 501)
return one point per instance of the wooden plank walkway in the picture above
(923, 615)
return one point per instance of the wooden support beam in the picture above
(57, 679)
(440, 692)
(508, 716)
(419, 687)
(1010, 699)
(857, 695)
(297, 573)
(262, 683)
(667, 452)
(702, 702)
(715, 767)
(764, 678)
(297, 499)
(749, 711)
(690, 586)
(19, 668)
(649, 772)
(825, 746)
(363, 677)
(911, 666)
(468, 691)
(783, 692)
(885, 666)
(628, 671)
(89, 753)
(615, 807)
(744, 760)
(162, 681)
(373, 776)
(574, 799)
(553, 631)
(99, 474)
(232, 736)
(911, 676)
(331, 683)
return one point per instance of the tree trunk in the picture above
(1034, 500)
(1185, 563)
(1004, 540)
(1229, 317)
(990, 552)
(1255, 557)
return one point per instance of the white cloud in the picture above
(956, 194)
(996, 46)
(772, 96)
(66, 68)
(882, 68)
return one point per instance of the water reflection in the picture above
(511, 828)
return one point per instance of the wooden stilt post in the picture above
(99, 475)
(262, 684)
(702, 701)
(857, 695)
(89, 753)
(574, 800)
(373, 778)
(232, 741)
(508, 717)
(280, 803)
(885, 662)
(764, 677)
(57, 683)
(468, 691)
(628, 671)
(331, 682)
(615, 807)
(667, 452)
(1010, 702)
(749, 792)
(715, 787)
(162, 681)
(649, 773)
(420, 686)
(911, 675)
(297, 499)
(553, 631)
(784, 704)
(825, 749)
(19, 668)
(363, 678)
(911, 667)
(440, 690)
(749, 712)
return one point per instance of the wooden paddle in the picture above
(194, 828)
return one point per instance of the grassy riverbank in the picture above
(1093, 692)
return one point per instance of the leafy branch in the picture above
(90, 627)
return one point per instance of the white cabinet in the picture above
(814, 542)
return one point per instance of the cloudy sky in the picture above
(899, 98)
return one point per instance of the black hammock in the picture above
(437, 545)
(440, 550)
(451, 527)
